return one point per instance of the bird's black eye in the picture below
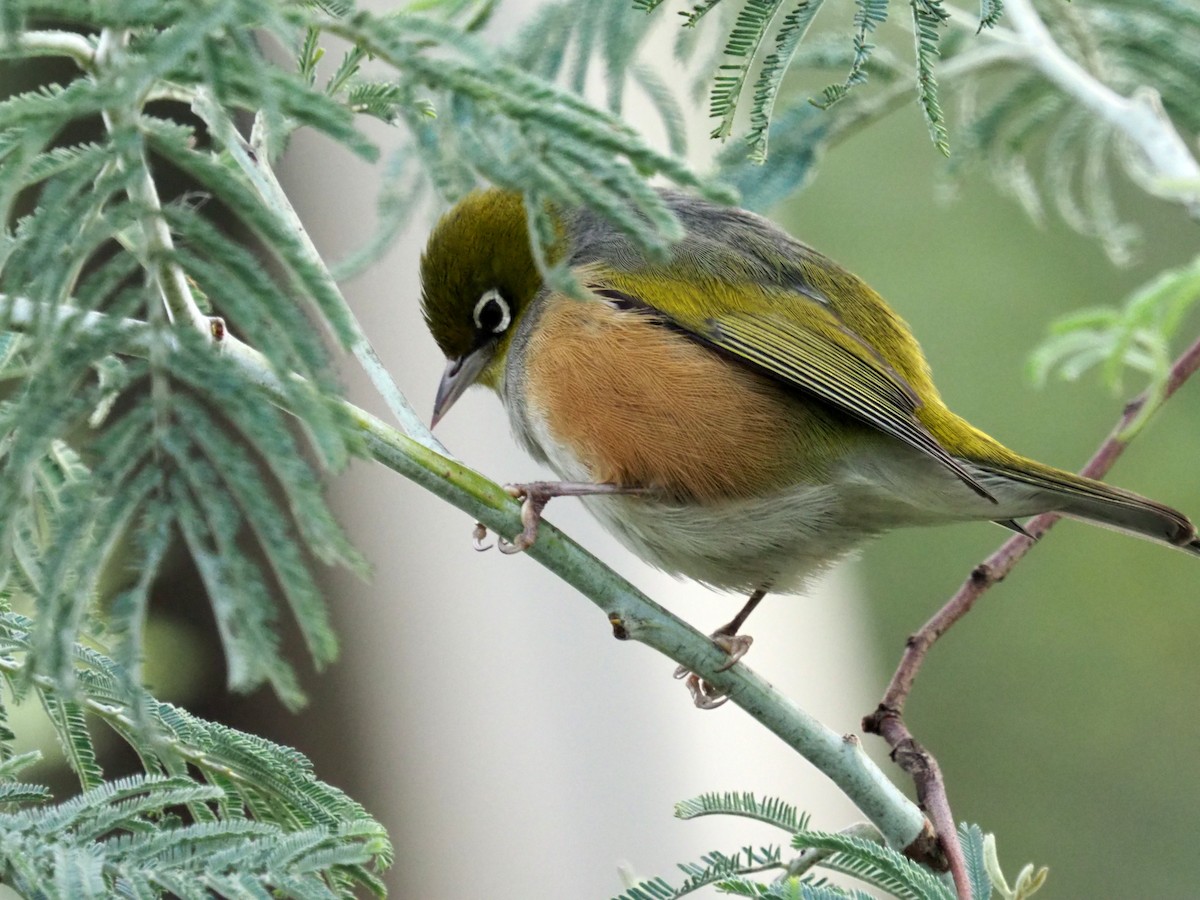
(492, 314)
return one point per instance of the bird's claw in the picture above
(534, 498)
(704, 694)
(736, 645)
(478, 536)
(519, 544)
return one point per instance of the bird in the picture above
(743, 412)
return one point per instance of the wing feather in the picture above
(822, 358)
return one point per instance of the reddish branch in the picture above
(887, 719)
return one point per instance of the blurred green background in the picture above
(1063, 709)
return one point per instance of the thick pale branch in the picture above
(1140, 118)
(77, 47)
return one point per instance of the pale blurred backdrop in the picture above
(484, 713)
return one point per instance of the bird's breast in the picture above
(614, 395)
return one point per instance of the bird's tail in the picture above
(1102, 504)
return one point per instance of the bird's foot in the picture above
(534, 498)
(535, 495)
(736, 645)
(704, 694)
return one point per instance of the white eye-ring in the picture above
(492, 313)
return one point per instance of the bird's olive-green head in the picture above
(477, 278)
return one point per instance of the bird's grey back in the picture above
(722, 242)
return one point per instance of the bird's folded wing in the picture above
(810, 361)
(821, 358)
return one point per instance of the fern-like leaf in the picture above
(259, 810)
(970, 837)
(876, 865)
(713, 868)
(868, 16)
(102, 844)
(928, 17)
(990, 12)
(771, 810)
(742, 46)
(770, 76)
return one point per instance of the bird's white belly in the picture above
(742, 545)
(780, 539)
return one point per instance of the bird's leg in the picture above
(536, 494)
(727, 638)
(704, 695)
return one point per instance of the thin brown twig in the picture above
(887, 719)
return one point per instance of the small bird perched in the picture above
(744, 413)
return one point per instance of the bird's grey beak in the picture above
(460, 374)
